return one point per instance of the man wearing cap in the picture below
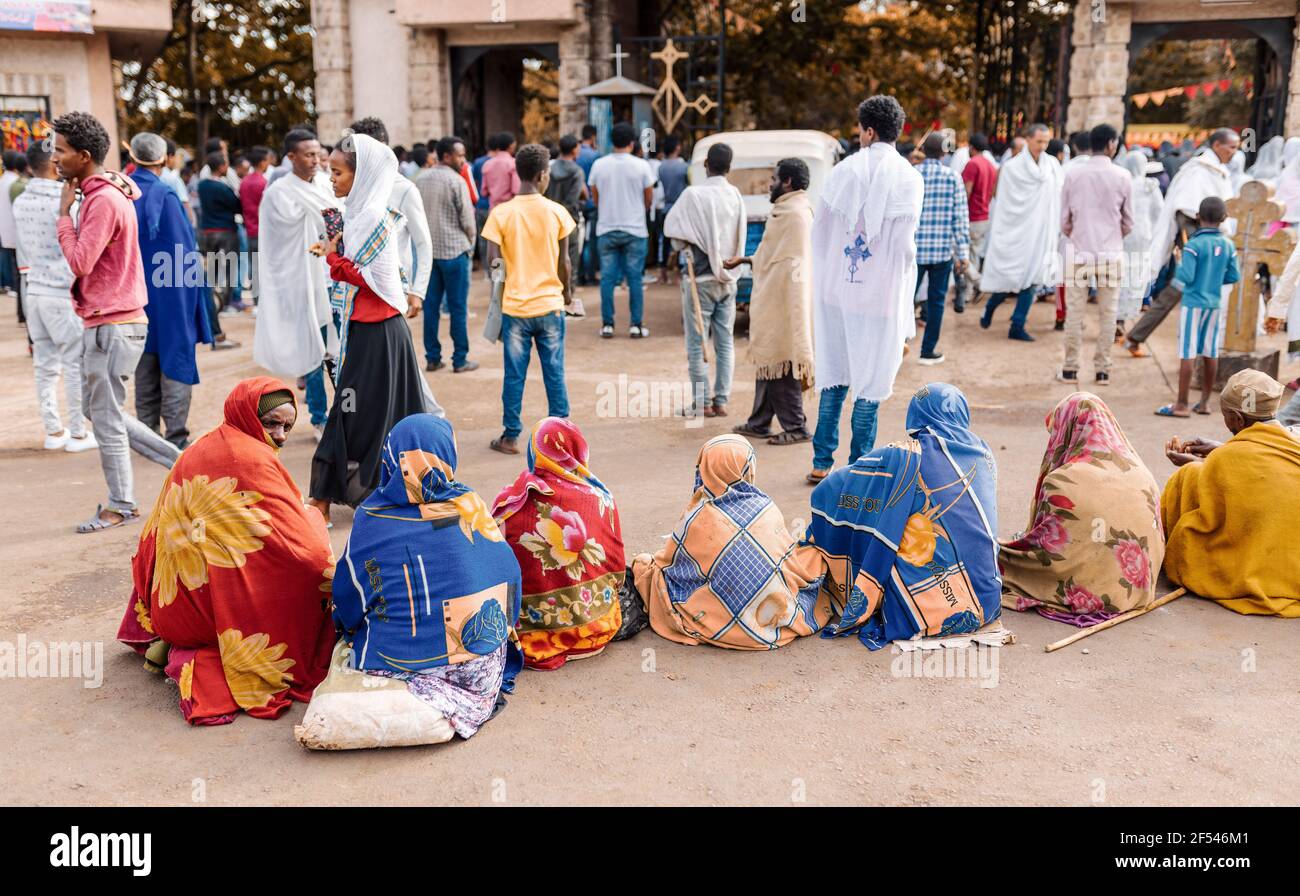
(178, 316)
(1229, 510)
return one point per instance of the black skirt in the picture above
(380, 384)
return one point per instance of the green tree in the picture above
(242, 71)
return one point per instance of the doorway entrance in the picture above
(511, 88)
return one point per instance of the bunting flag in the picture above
(1158, 97)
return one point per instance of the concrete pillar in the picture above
(429, 83)
(601, 24)
(1099, 65)
(1291, 124)
(332, 54)
(575, 73)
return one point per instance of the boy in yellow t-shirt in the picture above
(531, 233)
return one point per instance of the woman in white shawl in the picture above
(1287, 186)
(1268, 162)
(377, 379)
(1147, 204)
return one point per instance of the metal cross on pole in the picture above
(618, 56)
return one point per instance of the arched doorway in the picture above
(505, 88)
(1263, 52)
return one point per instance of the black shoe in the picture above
(1068, 376)
(986, 319)
(431, 366)
(1020, 335)
(958, 305)
(1060, 325)
(1103, 378)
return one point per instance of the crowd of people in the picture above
(452, 595)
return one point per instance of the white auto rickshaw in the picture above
(754, 158)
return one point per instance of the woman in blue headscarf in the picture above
(909, 530)
(427, 590)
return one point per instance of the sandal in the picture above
(1135, 349)
(504, 445)
(817, 476)
(97, 523)
(744, 429)
(789, 438)
(1168, 411)
(1201, 408)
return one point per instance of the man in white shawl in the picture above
(864, 276)
(1024, 231)
(708, 221)
(295, 332)
(1205, 174)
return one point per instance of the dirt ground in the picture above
(1179, 707)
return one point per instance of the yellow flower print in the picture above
(201, 523)
(254, 671)
(142, 615)
(474, 517)
(187, 680)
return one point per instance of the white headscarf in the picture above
(365, 209)
(1288, 182)
(1268, 163)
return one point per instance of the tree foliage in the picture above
(794, 64)
(242, 71)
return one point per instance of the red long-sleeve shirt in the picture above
(367, 307)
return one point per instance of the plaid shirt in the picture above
(944, 229)
(449, 210)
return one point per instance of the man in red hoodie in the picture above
(109, 296)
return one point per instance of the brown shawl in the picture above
(780, 310)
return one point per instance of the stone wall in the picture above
(1099, 65)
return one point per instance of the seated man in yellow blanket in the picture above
(1229, 512)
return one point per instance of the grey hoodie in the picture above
(566, 185)
(36, 213)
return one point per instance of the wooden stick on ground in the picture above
(1115, 620)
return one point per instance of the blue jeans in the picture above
(1024, 301)
(449, 283)
(827, 437)
(517, 337)
(718, 310)
(621, 255)
(590, 258)
(317, 403)
(936, 289)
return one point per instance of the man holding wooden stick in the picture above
(707, 225)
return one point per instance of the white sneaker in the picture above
(85, 443)
(639, 332)
(55, 442)
(607, 332)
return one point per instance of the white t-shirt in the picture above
(620, 179)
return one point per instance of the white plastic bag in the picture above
(352, 710)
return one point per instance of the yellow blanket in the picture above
(1230, 523)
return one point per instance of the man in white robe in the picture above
(1023, 232)
(708, 221)
(1205, 174)
(295, 332)
(864, 275)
